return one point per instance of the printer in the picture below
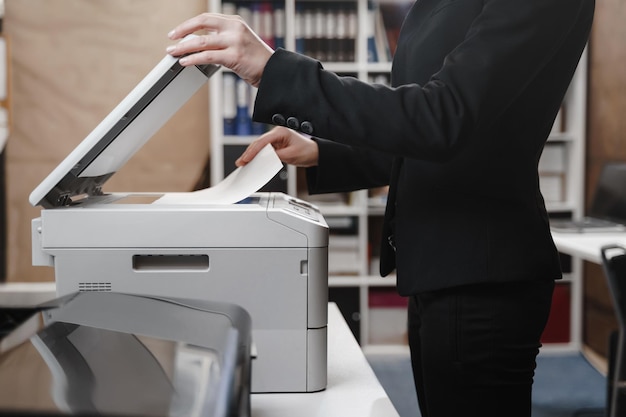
(112, 354)
(267, 253)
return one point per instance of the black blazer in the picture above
(476, 87)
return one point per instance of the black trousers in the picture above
(473, 348)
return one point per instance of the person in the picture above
(476, 86)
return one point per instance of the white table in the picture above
(582, 247)
(352, 391)
(587, 246)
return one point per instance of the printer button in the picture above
(293, 123)
(278, 119)
(307, 127)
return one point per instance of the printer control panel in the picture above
(299, 207)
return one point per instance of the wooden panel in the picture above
(599, 316)
(72, 62)
(607, 83)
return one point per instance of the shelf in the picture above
(560, 206)
(376, 209)
(343, 67)
(362, 280)
(343, 255)
(340, 210)
(372, 350)
(238, 140)
(562, 137)
(355, 68)
(382, 67)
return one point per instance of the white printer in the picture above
(267, 253)
(114, 355)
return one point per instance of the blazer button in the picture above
(278, 119)
(307, 127)
(293, 123)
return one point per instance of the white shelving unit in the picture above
(572, 141)
(349, 264)
(349, 256)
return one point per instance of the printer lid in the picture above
(122, 132)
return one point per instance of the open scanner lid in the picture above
(122, 133)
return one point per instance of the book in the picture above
(346, 32)
(393, 15)
(383, 51)
(266, 32)
(229, 105)
(279, 26)
(242, 119)
(308, 32)
(299, 28)
(372, 51)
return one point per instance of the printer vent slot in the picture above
(94, 286)
(170, 263)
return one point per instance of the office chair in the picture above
(614, 264)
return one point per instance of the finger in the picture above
(203, 22)
(208, 49)
(199, 43)
(252, 150)
(273, 137)
(188, 26)
(202, 58)
(247, 156)
(192, 25)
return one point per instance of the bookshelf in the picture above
(562, 181)
(357, 38)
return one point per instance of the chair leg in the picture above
(617, 407)
(610, 376)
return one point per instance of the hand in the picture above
(228, 41)
(291, 147)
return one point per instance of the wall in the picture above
(72, 62)
(606, 141)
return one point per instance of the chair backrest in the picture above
(614, 263)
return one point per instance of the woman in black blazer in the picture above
(476, 86)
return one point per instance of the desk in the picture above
(352, 391)
(582, 247)
(586, 246)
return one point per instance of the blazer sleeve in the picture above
(507, 44)
(344, 168)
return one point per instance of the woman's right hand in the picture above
(227, 41)
(290, 146)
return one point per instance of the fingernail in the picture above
(183, 61)
(171, 34)
(170, 49)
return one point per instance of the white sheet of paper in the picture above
(238, 185)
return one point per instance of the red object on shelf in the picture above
(559, 323)
(386, 297)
